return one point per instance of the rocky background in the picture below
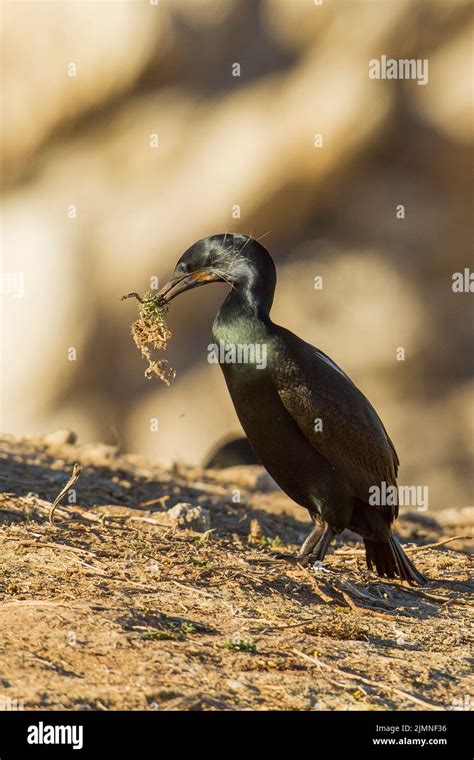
(93, 210)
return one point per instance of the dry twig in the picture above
(379, 685)
(76, 471)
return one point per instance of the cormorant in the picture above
(313, 430)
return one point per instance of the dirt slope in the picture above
(115, 606)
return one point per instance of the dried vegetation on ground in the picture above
(117, 606)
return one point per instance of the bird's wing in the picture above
(336, 418)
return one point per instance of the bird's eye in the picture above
(182, 268)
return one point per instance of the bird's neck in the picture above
(251, 298)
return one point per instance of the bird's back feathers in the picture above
(334, 415)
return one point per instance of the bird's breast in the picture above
(273, 434)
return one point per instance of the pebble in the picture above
(187, 517)
(60, 437)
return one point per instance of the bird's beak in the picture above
(184, 282)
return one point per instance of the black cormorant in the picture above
(309, 425)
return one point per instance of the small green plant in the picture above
(160, 627)
(271, 542)
(205, 538)
(239, 644)
(158, 635)
(198, 562)
(188, 628)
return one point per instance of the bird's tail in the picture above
(389, 560)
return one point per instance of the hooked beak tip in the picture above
(166, 294)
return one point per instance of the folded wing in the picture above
(335, 417)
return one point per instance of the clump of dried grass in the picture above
(151, 333)
(340, 626)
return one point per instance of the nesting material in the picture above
(151, 333)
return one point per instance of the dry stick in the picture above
(366, 610)
(438, 543)
(150, 502)
(361, 552)
(132, 295)
(196, 590)
(89, 516)
(316, 586)
(151, 521)
(365, 596)
(51, 545)
(82, 514)
(76, 471)
(374, 684)
(347, 599)
(425, 595)
(284, 627)
(97, 570)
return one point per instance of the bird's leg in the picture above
(310, 542)
(322, 546)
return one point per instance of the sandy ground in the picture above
(116, 606)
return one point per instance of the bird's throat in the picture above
(251, 299)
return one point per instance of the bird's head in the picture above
(238, 260)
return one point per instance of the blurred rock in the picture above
(186, 517)
(60, 438)
(457, 518)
